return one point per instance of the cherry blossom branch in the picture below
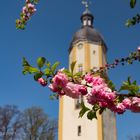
(98, 90)
(27, 11)
(134, 56)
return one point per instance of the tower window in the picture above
(79, 130)
(89, 22)
(80, 68)
(95, 69)
(78, 102)
(80, 46)
(85, 22)
(94, 51)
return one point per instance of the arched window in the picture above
(85, 22)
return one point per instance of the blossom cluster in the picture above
(27, 11)
(102, 95)
(99, 92)
(63, 86)
(95, 90)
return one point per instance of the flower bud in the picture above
(42, 82)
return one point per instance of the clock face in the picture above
(80, 46)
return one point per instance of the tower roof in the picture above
(87, 31)
(87, 34)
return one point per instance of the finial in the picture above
(86, 4)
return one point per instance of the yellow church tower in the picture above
(89, 50)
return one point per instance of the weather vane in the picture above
(86, 3)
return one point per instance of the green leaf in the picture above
(95, 107)
(29, 69)
(129, 81)
(35, 1)
(133, 3)
(54, 96)
(67, 72)
(135, 82)
(24, 62)
(48, 72)
(83, 110)
(48, 64)
(55, 65)
(128, 23)
(91, 115)
(37, 76)
(132, 88)
(41, 61)
(78, 74)
(72, 66)
(111, 85)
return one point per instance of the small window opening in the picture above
(79, 130)
(80, 68)
(89, 22)
(78, 102)
(85, 22)
(94, 52)
(95, 69)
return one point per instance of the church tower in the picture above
(89, 50)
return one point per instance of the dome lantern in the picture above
(87, 17)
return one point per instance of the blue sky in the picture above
(48, 34)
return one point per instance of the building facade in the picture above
(89, 50)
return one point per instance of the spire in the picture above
(86, 4)
(87, 17)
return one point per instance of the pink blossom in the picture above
(102, 93)
(61, 92)
(42, 82)
(110, 96)
(120, 108)
(30, 5)
(88, 78)
(83, 90)
(72, 90)
(94, 94)
(28, 9)
(28, 15)
(91, 99)
(94, 80)
(127, 103)
(53, 88)
(138, 48)
(31, 8)
(60, 80)
(103, 104)
(135, 107)
(24, 9)
(27, 1)
(135, 100)
(98, 81)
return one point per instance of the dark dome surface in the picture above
(87, 33)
